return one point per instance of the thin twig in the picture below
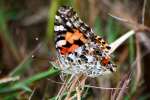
(82, 82)
(55, 82)
(143, 12)
(63, 87)
(73, 97)
(122, 91)
(138, 53)
(30, 98)
(138, 57)
(72, 87)
(78, 93)
(17, 69)
(115, 93)
(103, 88)
(39, 16)
(119, 18)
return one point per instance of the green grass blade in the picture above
(24, 84)
(20, 69)
(97, 26)
(7, 37)
(131, 50)
(51, 16)
(112, 29)
(39, 76)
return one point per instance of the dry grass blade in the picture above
(78, 93)
(62, 89)
(138, 53)
(75, 83)
(118, 94)
(72, 87)
(30, 98)
(9, 79)
(78, 84)
(120, 40)
(138, 58)
(145, 40)
(122, 91)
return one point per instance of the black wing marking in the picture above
(69, 19)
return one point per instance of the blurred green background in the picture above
(27, 46)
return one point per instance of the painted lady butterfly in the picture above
(79, 49)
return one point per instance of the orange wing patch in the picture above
(105, 60)
(70, 37)
(65, 50)
(72, 48)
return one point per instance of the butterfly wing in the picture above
(70, 30)
(77, 44)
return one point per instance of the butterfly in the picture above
(79, 49)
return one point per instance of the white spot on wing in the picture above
(79, 50)
(72, 56)
(72, 19)
(76, 23)
(80, 21)
(82, 28)
(90, 58)
(60, 43)
(69, 24)
(62, 11)
(59, 28)
(58, 18)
